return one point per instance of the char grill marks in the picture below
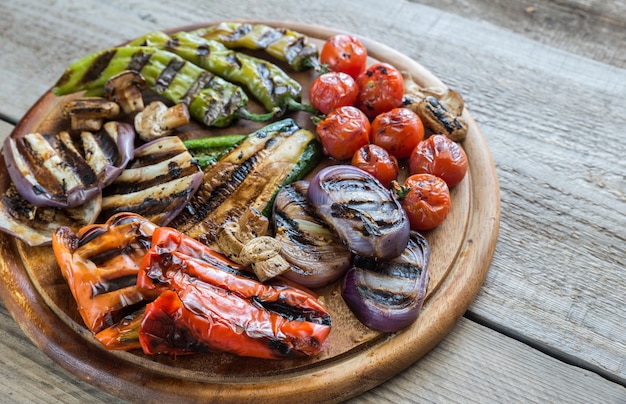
(156, 184)
(247, 177)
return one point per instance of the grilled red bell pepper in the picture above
(100, 264)
(209, 303)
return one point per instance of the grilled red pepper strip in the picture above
(100, 264)
(220, 306)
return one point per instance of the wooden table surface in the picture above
(546, 83)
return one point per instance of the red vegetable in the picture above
(209, 303)
(378, 162)
(344, 53)
(333, 90)
(100, 264)
(343, 131)
(425, 199)
(398, 131)
(440, 156)
(381, 88)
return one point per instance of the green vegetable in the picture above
(208, 150)
(269, 84)
(281, 43)
(211, 99)
(249, 176)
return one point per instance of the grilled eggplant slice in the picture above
(157, 184)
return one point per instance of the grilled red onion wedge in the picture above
(65, 171)
(316, 254)
(388, 295)
(36, 225)
(365, 214)
(157, 184)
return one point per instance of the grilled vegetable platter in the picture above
(186, 216)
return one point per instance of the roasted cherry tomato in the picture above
(344, 53)
(333, 90)
(381, 88)
(343, 131)
(398, 131)
(378, 162)
(425, 199)
(440, 156)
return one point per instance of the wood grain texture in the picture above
(549, 100)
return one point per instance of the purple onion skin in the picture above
(365, 214)
(388, 296)
(38, 196)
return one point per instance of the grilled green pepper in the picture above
(283, 44)
(211, 99)
(208, 150)
(268, 83)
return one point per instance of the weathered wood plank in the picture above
(591, 28)
(455, 368)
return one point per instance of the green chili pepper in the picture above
(283, 44)
(211, 99)
(268, 83)
(208, 150)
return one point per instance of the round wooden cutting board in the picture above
(355, 359)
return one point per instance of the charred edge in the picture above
(292, 313)
(71, 159)
(18, 207)
(202, 81)
(439, 111)
(139, 60)
(239, 33)
(384, 297)
(150, 206)
(97, 67)
(113, 285)
(165, 152)
(265, 76)
(175, 172)
(108, 146)
(269, 37)
(167, 75)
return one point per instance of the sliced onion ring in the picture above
(365, 214)
(388, 296)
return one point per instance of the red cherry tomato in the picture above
(426, 200)
(381, 88)
(398, 131)
(333, 90)
(440, 156)
(343, 131)
(378, 162)
(344, 53)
